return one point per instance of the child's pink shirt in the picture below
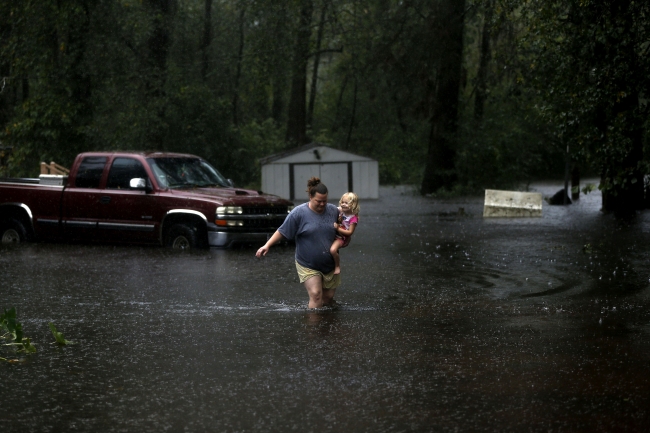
(346, 222)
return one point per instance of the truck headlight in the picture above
(229, 210)
(290, 208)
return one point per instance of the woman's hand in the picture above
(277, 236)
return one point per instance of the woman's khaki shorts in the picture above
(330, 281)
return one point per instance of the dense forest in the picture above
(451, 95)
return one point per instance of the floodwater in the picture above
(447, 322)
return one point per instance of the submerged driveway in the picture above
(447, 322)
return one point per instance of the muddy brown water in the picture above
(447, 322)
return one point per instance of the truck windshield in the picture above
(177, 172)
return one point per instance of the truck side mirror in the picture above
(140, 183)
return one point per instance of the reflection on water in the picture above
(446, 322)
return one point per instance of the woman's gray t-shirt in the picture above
(314, 234)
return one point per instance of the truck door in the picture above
(127, 214)
(81, 201)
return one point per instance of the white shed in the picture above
(286, 174)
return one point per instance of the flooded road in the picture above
(447, 322)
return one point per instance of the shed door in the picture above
(334, 175)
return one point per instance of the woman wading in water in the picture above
(311, 226)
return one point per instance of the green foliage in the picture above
(587, 61)
(195, 122)
(257, 140)
(60, 339)
(505, 149)
(87, 75)
(12, 331)
(43, 48)
(587, 188)
(9, 325)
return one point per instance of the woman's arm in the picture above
(274, 239)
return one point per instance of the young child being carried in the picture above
(348, 219)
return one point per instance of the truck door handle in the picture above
(105, 199)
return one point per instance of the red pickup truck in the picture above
(171, 199)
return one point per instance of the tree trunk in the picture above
(314, 75)
(621, 173)
(81, 86)
(481, 76)
(25, 89)
(339, 103)
(575, 181)
(439, 171)
(160, 39)
(240, 54)
(279, 69)
(277, 105)
(206, 39)
(353, 115)
(624, 179)
(158, 46)
(297, 115)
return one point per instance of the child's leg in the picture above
(334, 251)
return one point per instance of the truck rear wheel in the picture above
(12, 232)
(181, 237)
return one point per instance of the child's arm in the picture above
(344, 232)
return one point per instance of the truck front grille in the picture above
(255, 219)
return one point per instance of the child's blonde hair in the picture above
(354, 202)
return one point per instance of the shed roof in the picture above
(318, 150)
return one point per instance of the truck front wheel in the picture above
(181, 237)
(12, 232)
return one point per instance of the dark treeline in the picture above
(453, 95)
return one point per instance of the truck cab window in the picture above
(184, 172)
(122, 171)
(90, 172)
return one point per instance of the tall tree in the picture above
(297, 114)
(45, 55)
(590, 67)
(316, 63)
(156, 60)
(448, 27)
(206, 38)
(484, 59)
(238, 65)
